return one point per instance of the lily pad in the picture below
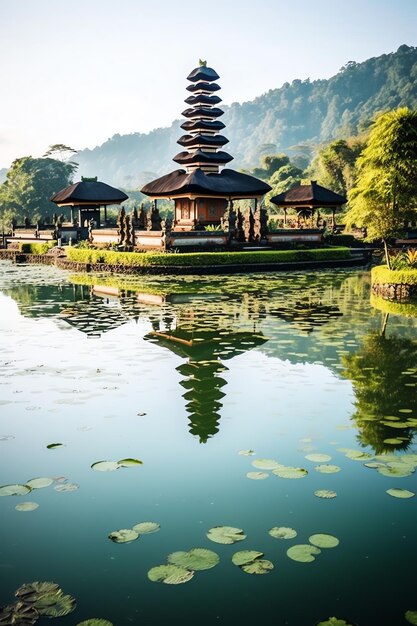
(66, 487)
(18, 613)
(303, 553)
(105, 466)
(52, 446)
(290, 472)
(393, 441)
(327, 469)
(282, 532)
(266, 464)
(95, 621)
(145, 528)
(39, 483)
(226, 534)
(124, 535)
(29, 592)
(259, 566)
(170, 574)
(318, 458)
(245, 556)
(246, 452)
(400, 493)
(14, 490)
(334, 621)
(324, 541)
(325, 493)
(257, 475)
(411, 617)
(55, 604)
(396, 470)
(26, 506)
(194, 559)
(129, 462)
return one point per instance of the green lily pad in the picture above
(327, 469)
(400, 493)
(29, 592)
(303, 553)
(105, 466)
(145, 528)
(19, 614)
(245, 556)
(325, 493)
(290, 472)
(52, 446)
(324, 541)
(411, 617)
(357, 455)
(194, 559)
(95, 621)
(26, 506)
(259, 566)
(374, 464)
(129, 462)
(14, 490)
(318, 458)
(124, 535)
(266, 464)
(282, 532)
(170, 574)
(334, 621)
(396, 470)
(55, 604)
(257, 475)
(246, 452)
(39, 483)
(393, 441)
(226, 534)
(66, 487)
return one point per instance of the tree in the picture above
(60, 151)
(385, 196)
(29, 185)
(334, 165)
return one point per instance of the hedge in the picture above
(407, 309)
(36, 248)
(343, 240)
(381, 275)
(196, 259)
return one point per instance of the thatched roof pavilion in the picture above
(309, 198)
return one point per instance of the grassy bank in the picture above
(407, 309)
(198, 259)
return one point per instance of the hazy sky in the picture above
(79, 71)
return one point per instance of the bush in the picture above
(36, 248)
(196, 259)
(382, 275)
(342, 240)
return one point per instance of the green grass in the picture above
(36, 248)
(198, 259)
(382, 275)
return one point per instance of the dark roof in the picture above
(202, 99)
(312, 195)
(203, 73)
(199, 156)
(91, 191)
(202, 140)
(201, 125)
(203, 87)
(226, 183)
(202, 112)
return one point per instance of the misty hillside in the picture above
(292, 118)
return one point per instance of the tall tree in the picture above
(29, 185)
(60, 151)
(385, 195)
(334, 165)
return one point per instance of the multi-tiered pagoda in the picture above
(204, 188)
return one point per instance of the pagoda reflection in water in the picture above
(205, 349)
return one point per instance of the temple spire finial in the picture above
(202, 63)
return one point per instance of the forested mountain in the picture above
(293, 118)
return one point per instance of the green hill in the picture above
(293, 118)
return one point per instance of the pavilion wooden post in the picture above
(285, 217)
(72, 215)
(333, 218)
(105, 215)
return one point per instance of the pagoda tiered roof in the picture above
(203, 157)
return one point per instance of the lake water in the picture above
(203, 379)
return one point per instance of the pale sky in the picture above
(79, 71)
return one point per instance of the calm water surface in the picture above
(184, 375)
